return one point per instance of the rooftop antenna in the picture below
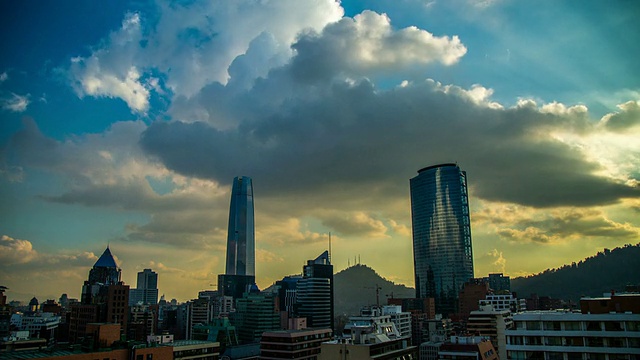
(329, 247)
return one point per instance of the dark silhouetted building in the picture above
(469, 297)
(105, 299)
(442, 254)
(499, 283)
(315, 292)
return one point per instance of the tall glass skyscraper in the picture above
(241, 244)
(443, 260)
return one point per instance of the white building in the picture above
(402, 319)
(504, 302)
(371, 317)
(369, 336)
(39, 325)
(561, 335)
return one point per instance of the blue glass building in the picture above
(443, 260)
(241, 244)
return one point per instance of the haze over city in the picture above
(126, 129)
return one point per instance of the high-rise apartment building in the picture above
(241, 244)
(443, 259)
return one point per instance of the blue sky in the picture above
(124, 124)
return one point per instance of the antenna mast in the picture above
(329, 247)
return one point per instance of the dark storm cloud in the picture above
(356, 138)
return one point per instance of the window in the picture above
(553, 341)
(596, 356)
(574, 356)
(555, 356)
(593, 326)
(633, 325)
(534, 340)
(612, 326)
(551, 325)
(533, 325)
(572, 326)
(615, 342)
(595, 341)
(574, 341)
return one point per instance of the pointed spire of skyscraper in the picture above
(106, 260)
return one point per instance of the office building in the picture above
(442, 254)
(499, 283)
(143, 322)
(255, 313)
(315, 292)
(241, 244)
(198, 312)
(146, 292)
(241, 233)
(104, 299)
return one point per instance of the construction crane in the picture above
(378, 288)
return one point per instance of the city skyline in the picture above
(126, 130)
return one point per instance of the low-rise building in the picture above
(293, 344)
(459, 348)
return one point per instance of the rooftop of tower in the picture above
(436, 166)
(106, 260)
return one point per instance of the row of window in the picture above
(579, 325)
(574, 341)
(550, 355)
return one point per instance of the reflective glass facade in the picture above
(241, 245)
(443, 260)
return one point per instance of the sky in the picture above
(123, 124)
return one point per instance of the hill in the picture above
(606, 271)
(355, 287)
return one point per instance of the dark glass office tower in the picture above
(315, 292)
(442, 255)
(241, 244)
(241, 257)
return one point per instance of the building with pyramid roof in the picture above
(105, 271)
(105, 298)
